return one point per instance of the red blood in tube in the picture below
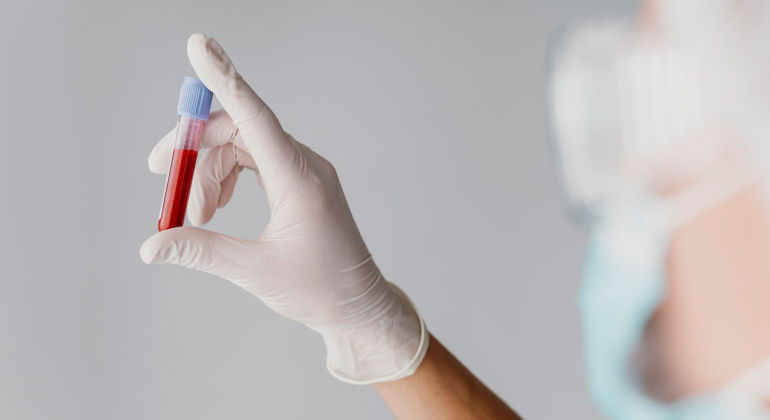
(180, 177)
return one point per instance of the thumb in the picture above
(196, 248)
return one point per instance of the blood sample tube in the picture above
(193, 109)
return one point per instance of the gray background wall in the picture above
(432, 112)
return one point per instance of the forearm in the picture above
(442, 388)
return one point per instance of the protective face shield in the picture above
(731, 37)
(647, 135)
(634, 111)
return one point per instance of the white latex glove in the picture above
(310, 263)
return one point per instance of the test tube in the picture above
(193, 109)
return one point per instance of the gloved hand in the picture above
(310, 263)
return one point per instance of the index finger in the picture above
(218, 130)
(269, 145)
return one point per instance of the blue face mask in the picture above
(623, 283)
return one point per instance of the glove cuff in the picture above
(386, 350)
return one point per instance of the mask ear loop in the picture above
(720, 184)
(730, 178)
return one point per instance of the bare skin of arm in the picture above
(442, 388)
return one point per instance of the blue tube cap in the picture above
(194, 99)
